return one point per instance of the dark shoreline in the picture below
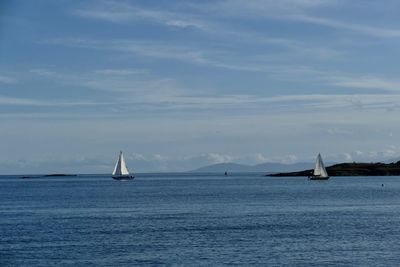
(351, 169)
(48, 175)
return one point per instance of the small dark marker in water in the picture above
(382, 185)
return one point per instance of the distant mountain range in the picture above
(264, 167)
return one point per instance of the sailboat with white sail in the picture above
(320, 172)
(121, 170)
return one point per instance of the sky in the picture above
(179, 84)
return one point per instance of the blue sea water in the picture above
(199, 220)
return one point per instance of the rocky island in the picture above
(352, 169)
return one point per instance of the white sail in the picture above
(319, 169)
(120, 167)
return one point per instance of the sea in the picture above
(199, 220)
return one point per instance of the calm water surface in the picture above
(187, 220)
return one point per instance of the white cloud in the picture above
(7, 80)
(159, 157)
(141, 48)
(265, 8)
(383, 155)
(16, 101)
(348, 157)
(387, 155)
(215, 59)
(126, 88)
(136, 156)
(339, 131)
(112, 16)
(364, 29)
(118, 12)
(260, 158)
(366, 82)
(215, 158)
(290, 159)
(42, 72)
(200, 16)
(225, 59)
(121, 72)
(297, 10)
(167, 94)
(183, 24)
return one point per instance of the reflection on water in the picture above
(175, 219)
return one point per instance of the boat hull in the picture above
(318, 178)
(123, 178)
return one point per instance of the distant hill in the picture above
(353, 169)
(279, 167)
(264, 167)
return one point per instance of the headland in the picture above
(352, 169)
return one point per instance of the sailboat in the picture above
(319, 170)
(121, 171)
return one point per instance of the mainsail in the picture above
(120, 167)
(319, 169)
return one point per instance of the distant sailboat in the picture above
(319, 170)
(121, 171)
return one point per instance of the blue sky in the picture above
(181, 84)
